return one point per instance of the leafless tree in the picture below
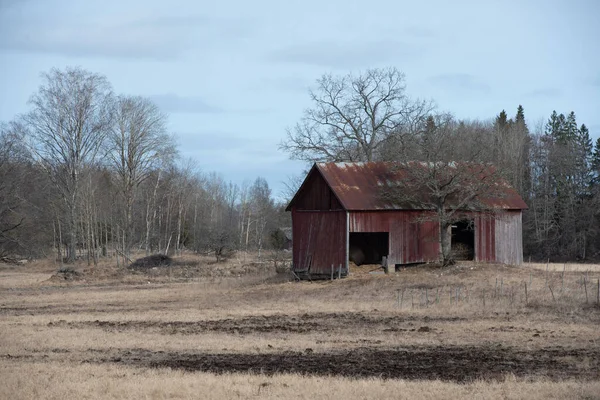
(352, 117)
(10, 175)
(447, 177)
(66, 128)
(138, 145)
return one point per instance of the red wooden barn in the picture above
(339, 214)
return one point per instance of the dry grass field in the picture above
(239, 330)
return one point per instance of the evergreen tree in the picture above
(583, 157)
(502, 121)
(595, 163)
(570, 127)
(553, 126)
(520, 118)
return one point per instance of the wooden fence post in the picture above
(552, 293)
(526, 299)
(585, 287)
(332, 272)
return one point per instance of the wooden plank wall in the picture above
(509, 237)
(319, 241)
(413, 235)
(485, 238)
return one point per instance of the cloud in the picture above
(345, 55)
(174, 103)
(460, 82)
(544, 92)
(157, 38)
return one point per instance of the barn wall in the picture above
(413, 235)
(485, 238)
(319, 241)
(509, 238)
(315, 194)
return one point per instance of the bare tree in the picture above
(10, 175)
(448, 177)
(353, 116)
(138, 145)
(70, 118)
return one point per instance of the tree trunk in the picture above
(446, 243)
(72, 246)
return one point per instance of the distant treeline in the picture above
(89, 173)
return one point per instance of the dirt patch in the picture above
(66, 274)
(458, 364)
(153, 261)
(304, 323)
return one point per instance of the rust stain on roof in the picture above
(359, 186)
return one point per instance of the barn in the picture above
(338, 211)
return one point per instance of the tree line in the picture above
(88, 173)
(554, 166)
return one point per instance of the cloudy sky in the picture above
(234, 74)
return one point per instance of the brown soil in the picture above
(305, 323)
(458, 364)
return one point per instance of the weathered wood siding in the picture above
(316, 194)
(485, 237)
(509, 237)
(319, 241)
(413, 235)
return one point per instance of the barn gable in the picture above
(315, 194)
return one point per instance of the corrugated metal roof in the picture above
(362, 186)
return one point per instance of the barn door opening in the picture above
(368, 247)
(463, 240)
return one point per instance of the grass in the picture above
(62, 382)
(59, 339)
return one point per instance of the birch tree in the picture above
(70, 118)
(138, 145)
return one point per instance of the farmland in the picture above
(240, 330)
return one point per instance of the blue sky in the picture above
(234, 74)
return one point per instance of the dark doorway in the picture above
(368, 247)
(463, 240)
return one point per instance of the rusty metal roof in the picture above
(359, 186)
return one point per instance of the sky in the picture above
(234, 74)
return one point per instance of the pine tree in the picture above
(596, 163)
(553, 126)
(520, 118)
(502, 121)
(583, 154)
(523, 166)
(570, 128)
